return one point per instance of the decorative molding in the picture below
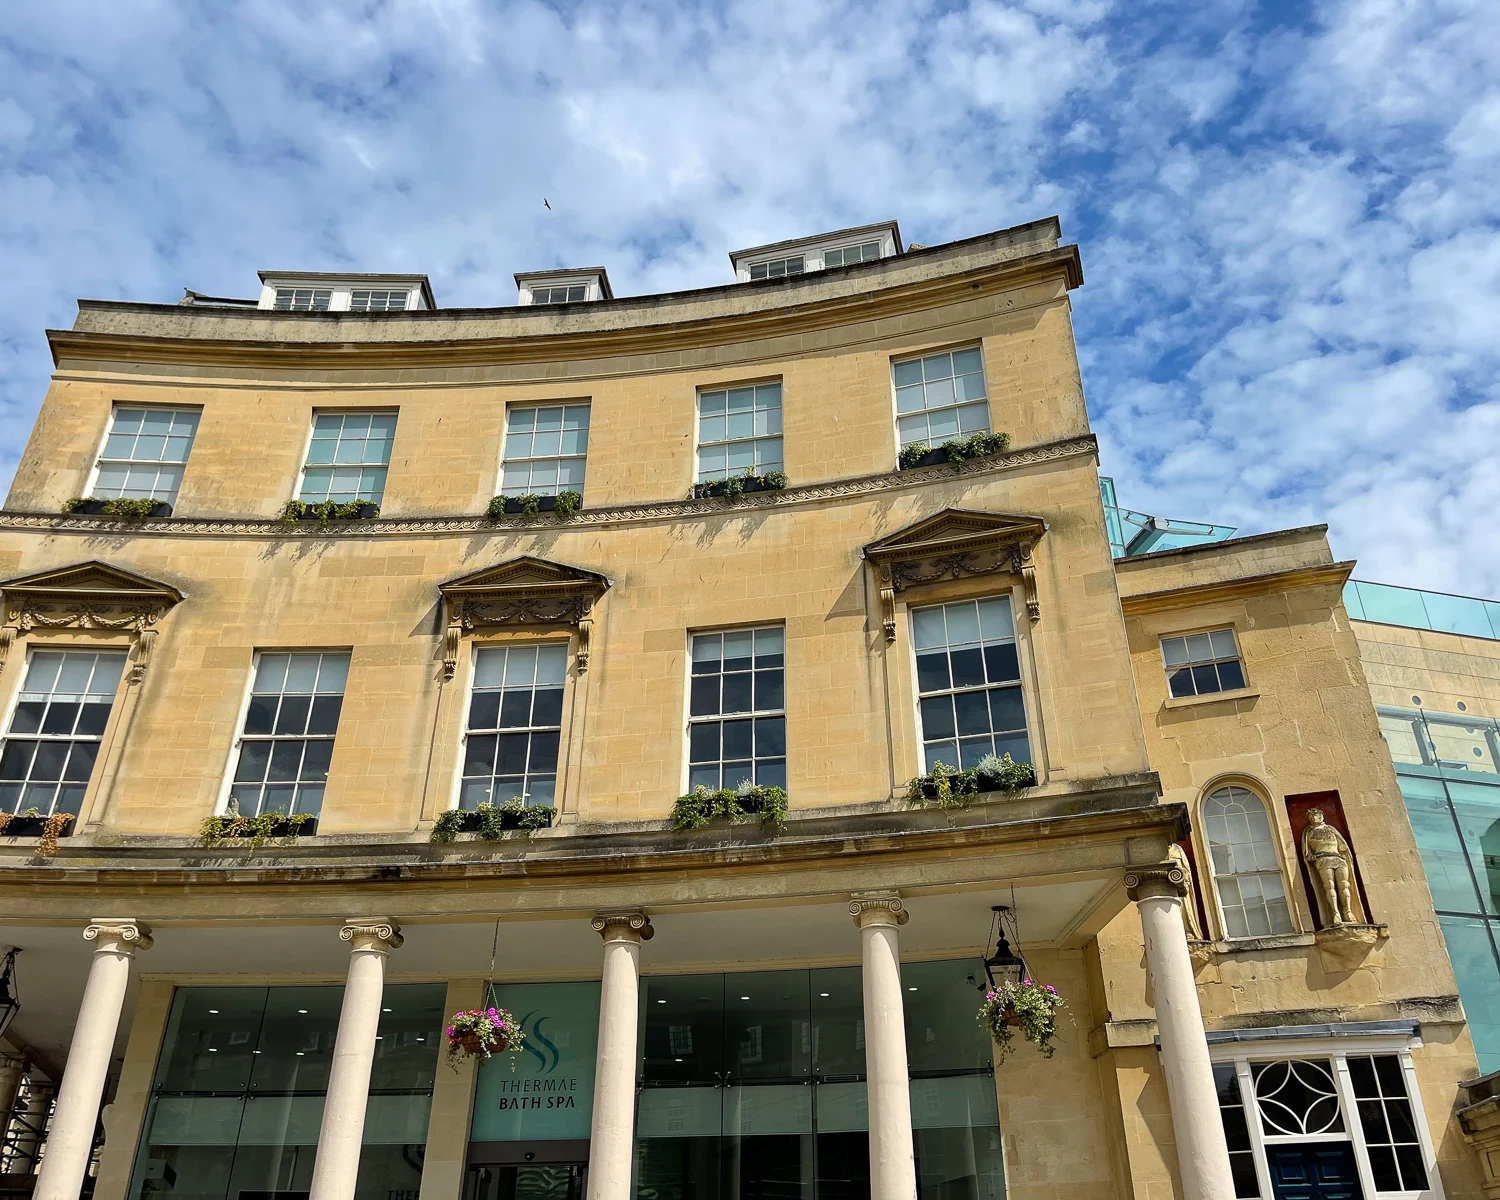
(520, 591)
(90, 595)
(1165, 880)
(952, 544)
(118, 935)
(665, 510)
(372, 933)
(1323, 575)
(878, 908)
(633, 925)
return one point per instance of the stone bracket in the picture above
(1345, 947)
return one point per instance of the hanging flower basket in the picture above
(1027, 1006)
(483, 1033)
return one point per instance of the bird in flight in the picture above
(547, 206)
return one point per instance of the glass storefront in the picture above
(1449, 771)
(239, 1089)
(752, 1086)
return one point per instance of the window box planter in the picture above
(564, 505)
(977, 445)
(947, 788)
(700, 806)
(543, 504)
(93, 507)
(489, 821)
(255, 830)
(296, 512)
(736, 485)
(32, 827)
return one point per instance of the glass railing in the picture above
(1386, 604)
(1449, 743)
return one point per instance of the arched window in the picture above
(1247, 875)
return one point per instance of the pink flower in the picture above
(450, 1031)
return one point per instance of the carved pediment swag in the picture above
(91, 595)
(522, 591)
(950, 545)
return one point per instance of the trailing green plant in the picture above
(734, 486)
(5, 819)
(775, 480)
(530, 504)
(948, 787)
(232, 825)
(568, 503)
(1031, 1007)
(492, 820)
(701, 805)
(52, 829)
(496, 508)
(297, 510)
(976, 445)
(911, 455)
(125, 510)
(33, 811)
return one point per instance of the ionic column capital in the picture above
(380, 934)
(1162, 881)
(117, 935)
(878, 908)
(631, 926)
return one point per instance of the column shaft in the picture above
(1202, 1153)
(612, 1137)
(893, 1171)
(71, 1139)
(336, 1168)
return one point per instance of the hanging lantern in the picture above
(1004, 963)
(10, 1002)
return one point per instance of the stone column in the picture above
(28, 1143)
(71, 1139)
(612, 1138)
(342, 1133)
(1202, 1154)
(893, 1169)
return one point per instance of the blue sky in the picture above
(1289, 214)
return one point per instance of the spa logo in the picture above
(538, 1044)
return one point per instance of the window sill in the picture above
(1212, 698)
(1276, 941)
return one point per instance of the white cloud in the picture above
(1289, 231)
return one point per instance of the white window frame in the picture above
(688, 720)
(1183, 635)
(1200, 829)
(896, 360)
(1033, 732)
(226, 785)
(804, 256)
(109, 428)
(698, 443)
(860, 245)
(566, 641)
(312, 428)
(388, 292)
(511, 410)
(1337, 1051)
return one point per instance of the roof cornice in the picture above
(1334, 574)
(597, 341)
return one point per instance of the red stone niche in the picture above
(1200, 879)
(1333, 812)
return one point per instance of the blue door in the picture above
(1322, 1171)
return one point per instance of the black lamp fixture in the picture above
(10, 1002)
(1004, 965)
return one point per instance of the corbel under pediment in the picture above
(521, 591)
(950, 545)
(90, 595)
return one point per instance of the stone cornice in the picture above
(771, 320)
(621, 514)
(1329, 574)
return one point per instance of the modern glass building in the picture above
(1446, 750)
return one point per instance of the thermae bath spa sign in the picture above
(549, 1096)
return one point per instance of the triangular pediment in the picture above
(92, 579)
(953, 528)
(525, 573)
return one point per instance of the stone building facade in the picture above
(766, 581)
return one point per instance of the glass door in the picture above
(525, 1181)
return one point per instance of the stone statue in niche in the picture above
(1332, 865)
(1189, 901)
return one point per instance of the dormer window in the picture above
(318, 291)
(822, 252)
(569, 285)
(303, 299)
(778, 268)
